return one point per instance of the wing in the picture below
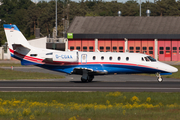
(79, 71)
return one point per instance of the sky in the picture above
(105, 0)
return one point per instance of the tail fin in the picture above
(14, 36)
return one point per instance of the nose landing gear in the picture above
(159, 78)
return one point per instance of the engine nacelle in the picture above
(65, 56)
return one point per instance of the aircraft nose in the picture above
(172, 69)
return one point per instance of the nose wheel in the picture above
(159, 78)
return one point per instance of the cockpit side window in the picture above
(151, 59)
(146, 59)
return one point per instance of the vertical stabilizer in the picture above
(14, 36)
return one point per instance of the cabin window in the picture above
(110, 58)
(127, 58)
(94, 57)
(78, 48)
(150, 48)
(161, 48)
(144, 48)
(33, 55)
(119, 58)
(71, 48)
(102, 57)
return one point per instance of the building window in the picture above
(77, 48)
(119, 58)
(131, 51)
(101, 48)
(144, 48)
(161, 52)
(150, 48)
(71, 48)
(91, 49)
(137, 51)
(85, 49)
(107, 48)
(144, 52)
(131, 48)
(167, 48)
(94, 57)
(161, 48)
(114, 48)
(137, 48)
(120, 48)
(150, 52)
(110, 58)
(174, 48)
(120, 51)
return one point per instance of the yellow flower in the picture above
(135, 99)
(148, 99)
(31, 117)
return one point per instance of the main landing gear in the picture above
(85, 77)
(89, 78)
(159, 78)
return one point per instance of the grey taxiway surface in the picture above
(133, 83)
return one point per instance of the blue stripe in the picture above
(10, 26)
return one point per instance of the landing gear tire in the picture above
(160, 79)
(90, 78)
(83, 80)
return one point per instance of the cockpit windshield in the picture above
(151, 59)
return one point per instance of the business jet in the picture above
(87, 64)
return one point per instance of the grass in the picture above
(10, 64)
(6, 74)
(89, 105)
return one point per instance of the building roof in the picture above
(126, 27)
